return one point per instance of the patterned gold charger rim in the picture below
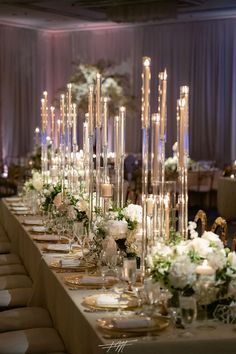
(106, 324)
(74, 281)
(84, 266)
(131, 302)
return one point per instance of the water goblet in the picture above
(129, 272)
(188, 310)
(103, 267)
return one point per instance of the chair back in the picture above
(201, 216)
(220, 224)
(233, 245)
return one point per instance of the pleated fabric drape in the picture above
(199, 54)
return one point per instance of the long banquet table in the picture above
(78, 328)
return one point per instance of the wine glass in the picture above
(129, 272)
(69, 235)
(103, 267)
(152, 293)
(188, 310)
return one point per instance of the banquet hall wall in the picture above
(199, 54)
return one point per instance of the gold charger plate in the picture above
(107, 324)
(82, 267)
(127, 302)
(76, 281)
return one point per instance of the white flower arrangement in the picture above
(34, 183)
(171, 164)
(123, 224)
(174, 266)
(115, 84)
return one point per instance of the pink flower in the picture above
(57, 201)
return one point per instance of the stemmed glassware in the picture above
(80, 233)
(188, 311)
(129, 272)
(103, 266)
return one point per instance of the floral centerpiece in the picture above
(171, 164)
(175, 266)
(73, 207)
(115, 84)
(123, 225)
(35, 183)
(51, 195)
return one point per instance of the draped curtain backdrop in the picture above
(199, 54)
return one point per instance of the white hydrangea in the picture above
(133, 212)
(182, 272)
(213, 239)
(200, 246)
(232, 260)
(217, 260)
(117, 228)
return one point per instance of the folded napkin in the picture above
(39, 229)
(13, 199)
(18, 204)
(91, 280)
(69, 262)
(46, 238)
(19, 208)
(103, 300)
(21, 212)
(133, 322)
(58, 247)
(33, 221)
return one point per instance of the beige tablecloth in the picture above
(78, 328)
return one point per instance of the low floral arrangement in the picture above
(171, 164)
(51, 195)
(35, 183)
(74, 207)
(175, 266)
(115, 84)
(78, 208)
(123, 225)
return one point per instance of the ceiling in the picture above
(57, 15)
